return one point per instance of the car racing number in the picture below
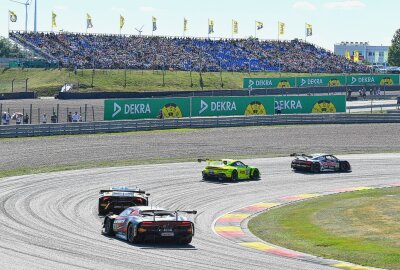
(329, 164)
(244, 171)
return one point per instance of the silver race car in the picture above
(143, 223)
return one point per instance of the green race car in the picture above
(229, 169)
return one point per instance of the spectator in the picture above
(7, 118)
(76, 117)
(348, 94)
(18, 118)
(53, 118)
(69, 118)
(26, 119)
(140, 52)
(43, 119)
(160, 114)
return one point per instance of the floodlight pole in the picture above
(35, 20)
(26, 17)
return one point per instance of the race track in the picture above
(49, 221)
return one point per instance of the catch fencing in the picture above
(198, 122)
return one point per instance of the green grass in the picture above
(358, 227)
(49, 82)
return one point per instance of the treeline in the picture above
(9, 50)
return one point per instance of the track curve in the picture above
(49, 221)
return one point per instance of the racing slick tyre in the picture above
(344, 166)
(205, 177)
(130, 236)
(255, 175)
(108, 227)
(102, 212)
(234, 176)
(315, 167)
(185, 240)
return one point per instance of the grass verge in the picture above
(358, 227)
(49, 82)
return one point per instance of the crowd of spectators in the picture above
(145, 52)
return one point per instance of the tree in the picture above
(394, 50)
(7, 49)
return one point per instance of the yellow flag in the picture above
(259, 25)
(308, 30)
(154, 20)
(185, 25)
(121, 21)
(12, 15)
(89, 23)
(347, 55)
(235, 27)
(356, 56)
(53, 20)
(210, 26)
(281, 28)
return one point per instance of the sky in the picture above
(333, 21)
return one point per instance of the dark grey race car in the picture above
(117, 199)
(319, 163)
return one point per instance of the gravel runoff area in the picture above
(94, 108)
(202, 143)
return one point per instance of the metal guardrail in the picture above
(206, 122)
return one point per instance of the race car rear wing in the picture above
(160, 212)
(298, 155)
(212, 160)
(125, 191)
(204, 160)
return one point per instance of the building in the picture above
(377, 55)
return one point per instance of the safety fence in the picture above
(198, 122)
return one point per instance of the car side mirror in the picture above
(147, 194)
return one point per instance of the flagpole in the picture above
(208, 22)
(255, 29)
(232, 29)
(278, 30)
(305, 38)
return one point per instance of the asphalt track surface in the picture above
(49, 221)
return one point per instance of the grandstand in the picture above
(99, 51)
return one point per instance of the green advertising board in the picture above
(310, 104)
(221, 106)
(384, 79)
(146, 108)
(320, 81)
(264, 83)
(231, 106)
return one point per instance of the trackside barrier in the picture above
(198, 122)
